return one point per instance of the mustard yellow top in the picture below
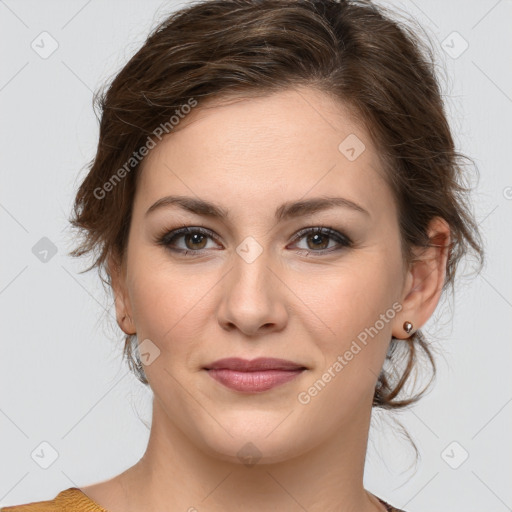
(69, 500)
(74, 500)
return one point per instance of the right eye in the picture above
(194, 239)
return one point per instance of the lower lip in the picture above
(253, 381)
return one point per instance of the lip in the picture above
(259, 364)
(255, 375)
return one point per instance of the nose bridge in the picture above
(251, 273)
(251, 295)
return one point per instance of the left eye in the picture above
(195, 240)
(319, 237)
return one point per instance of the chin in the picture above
(255, 440)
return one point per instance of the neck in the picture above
(175, 471)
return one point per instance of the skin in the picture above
(250, 156)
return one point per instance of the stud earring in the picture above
(407, 327)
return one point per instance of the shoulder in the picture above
(389, 508)
(68, 500)
(393, 509)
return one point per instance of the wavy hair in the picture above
(351, 50)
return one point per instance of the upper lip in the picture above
(261, 363)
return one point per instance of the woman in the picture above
(276, 202)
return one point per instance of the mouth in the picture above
(254, 376)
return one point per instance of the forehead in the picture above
(250, 150)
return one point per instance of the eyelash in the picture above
(167, 237)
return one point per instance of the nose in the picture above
(253, 298)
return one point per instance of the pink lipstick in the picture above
(253, 376)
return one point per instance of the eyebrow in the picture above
(288, 210)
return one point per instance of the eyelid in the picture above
(169, 235)
(324, 230)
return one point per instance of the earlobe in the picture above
(124, 319)
(127, 325)
(425, 280)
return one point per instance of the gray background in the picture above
(62, 382)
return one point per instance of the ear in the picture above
(425, 279)
(117, 272)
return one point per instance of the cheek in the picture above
(358, 310)
(357, 307)
(168, 301)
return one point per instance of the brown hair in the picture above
(352, 51)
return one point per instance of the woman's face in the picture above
(249, 287)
